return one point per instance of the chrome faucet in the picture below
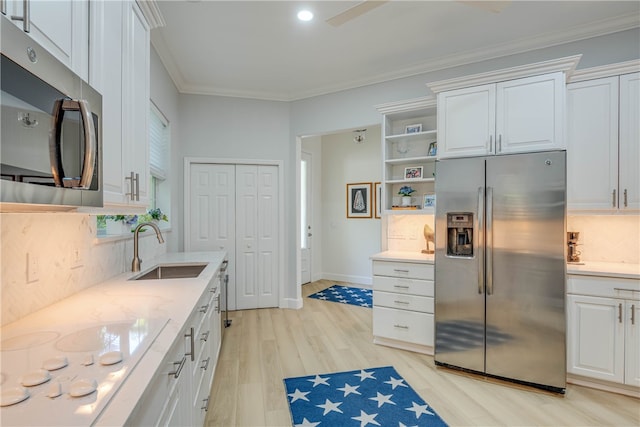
(135, 264)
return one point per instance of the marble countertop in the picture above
(606, 269)
(119, 299)
(400, 256)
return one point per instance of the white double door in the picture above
(235, 208)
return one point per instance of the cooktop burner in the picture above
(68, 376)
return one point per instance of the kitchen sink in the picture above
(182, 271)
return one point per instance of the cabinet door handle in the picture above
(633, 314)
(180, 364)
(620, 313)
(135, 186)
(192, 351)
(490, 143)
(625, 197)
(613, 198)
(3, 7)
(500, 143)
(25, 18)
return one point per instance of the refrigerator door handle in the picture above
(478, 239)
(489, 241)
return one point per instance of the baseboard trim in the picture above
(292, 303)
(603, 385)
(389, 342)
(358, 280)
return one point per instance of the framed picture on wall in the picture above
(377, 194)
(359, 200)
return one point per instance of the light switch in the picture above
(75, 258)
(33, 267)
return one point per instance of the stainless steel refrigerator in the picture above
(500, 267)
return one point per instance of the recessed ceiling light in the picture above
(305, 15)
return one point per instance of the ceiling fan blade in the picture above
(492, 6)
(355, 11)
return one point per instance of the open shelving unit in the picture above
(405, 151)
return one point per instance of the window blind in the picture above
(158, 144)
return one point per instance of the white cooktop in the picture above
(66, 375)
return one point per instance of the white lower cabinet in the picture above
(603, 333)
(179, 393)
(403, 305)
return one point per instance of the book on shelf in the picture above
(405, 208)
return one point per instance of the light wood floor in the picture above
(262, 347)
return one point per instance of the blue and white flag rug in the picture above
(369, 397)
(346, 295)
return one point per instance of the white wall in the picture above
(347, 243)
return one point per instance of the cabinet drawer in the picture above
(611, 287)
(403, 302)
(403, 269)
(403, 286)
(402, 325)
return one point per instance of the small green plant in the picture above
(406, 190)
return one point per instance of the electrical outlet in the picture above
(33, 268)
(75, 258)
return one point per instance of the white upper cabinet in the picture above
(120, 59)
(466, 123)
(61, 27)
(514, 116)
(629, 191)
(514, 110)
(603, 143)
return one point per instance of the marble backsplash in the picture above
(51, 241)
(603, 238)
(607, 238)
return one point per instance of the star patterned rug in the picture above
(369, 397)
(346, 295)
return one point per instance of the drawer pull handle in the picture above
(204, 308)
(205, 403)
(401, 286)
(205, 336)
(627, 290)
(192, 345)
(180, 364)
(400, 326)
(397, 270)
(205, 363)
(633, 314)
(401, 302)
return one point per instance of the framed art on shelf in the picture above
(429, 201)
(413, 172)
(377, 194)
(359, 200)
(413, 128)
(433, 149)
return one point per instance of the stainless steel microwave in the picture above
(50, 137)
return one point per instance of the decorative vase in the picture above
(406, 200)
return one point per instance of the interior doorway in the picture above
(306, 217)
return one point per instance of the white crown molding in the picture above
(407, 105)
(566, 65)
(605, 71)
(152, 13)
